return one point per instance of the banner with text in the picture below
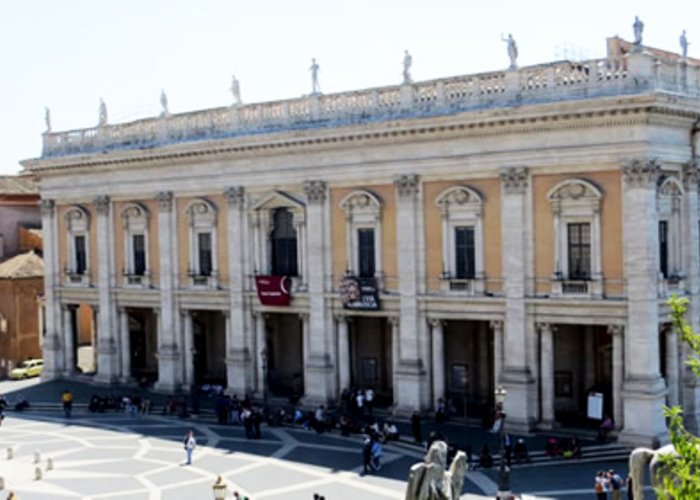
(359, 293)
(273, 290)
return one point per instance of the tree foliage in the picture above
(684, 480)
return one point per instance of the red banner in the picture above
(273, 290)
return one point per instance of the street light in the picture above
(219, 488)
(503, 472)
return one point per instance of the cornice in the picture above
(607, 112)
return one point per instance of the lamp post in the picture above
(219, 488)
(503, 471)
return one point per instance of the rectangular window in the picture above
(465, 259)
(579, 251)
(663, 248)
(139, 247)
(80, 256)
(365, 241)
(204, 248)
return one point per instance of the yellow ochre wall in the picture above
(339, 227)
(490, 190)
(611, 226)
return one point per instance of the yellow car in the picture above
(28, 368)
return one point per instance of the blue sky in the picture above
(68, 54)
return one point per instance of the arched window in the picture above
(135, 219)
(575, 205)
(669, 205)
(363, 213)
(284, 243)
(462, 239)
(78, 226)
(203, 268)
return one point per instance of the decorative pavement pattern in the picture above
(115, 456)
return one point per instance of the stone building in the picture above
(431, 239)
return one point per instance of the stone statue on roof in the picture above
(236, 90)
(103, 114)
(638, 28)
(407, 62)
(164, 103)
(315, 87)
(684, 45)
(512, 50)
(47, 119)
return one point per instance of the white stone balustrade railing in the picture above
(542, 83)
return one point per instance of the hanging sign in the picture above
(359, 293)
(273, 290)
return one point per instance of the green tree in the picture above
(684, 480)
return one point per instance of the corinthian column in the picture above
(239, 363)
(169, 363)
(319, 382)
(55, 340)
(547, 379)
(644, 388)
(517, 374)
(107, 353)
(411, 390)
(438, 338)
(618, 371)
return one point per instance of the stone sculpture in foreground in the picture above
(431, 480)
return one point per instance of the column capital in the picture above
(121, 309)
(102, 204)
(226, 313)
(47, 206)
(496, 324)
(616, 330)
(165, 200)
(235, 196)
(546, 327)
(514, 179)
(641, 172)
(315, 190)
(435, 322)
(304, 316)
(691, 175)
(407, 185)
(394, 320)
(340, 318)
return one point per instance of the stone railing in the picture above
(543, 83)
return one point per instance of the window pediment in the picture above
(361, 203)
(135, 216)
(201, 213)
(575, 196)
(77, 219)
(278, 199)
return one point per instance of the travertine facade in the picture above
(523, 228)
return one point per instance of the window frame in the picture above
(136, 222)
(363, 210)
(202, 217)
(77, 220)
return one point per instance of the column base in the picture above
(520, 400)
(239, 377)
(411, 391)
(643, 402)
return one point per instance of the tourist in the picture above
(605, 427)
(377, 452)
(391, 433)
(366, 455)
(615, 484)
(485, 458)
(67, 399)
(360, 402)
(416, 428)
(520, 450)
(369, 400)
(600, 486)
(440, 414)
(190, 443)
(552, 449)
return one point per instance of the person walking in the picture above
(190, 443)
(601, 485)
(67, 399)
(616, 484)
(367, 456)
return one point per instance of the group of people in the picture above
(569, 448)
(611, 482)
(358, 402)
(231, 410)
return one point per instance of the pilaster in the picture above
(239, 365)
(54, 342)
(547, 374)
(411, 391)
(107, 351)
(618, 372)
(438, 362)
(343, 351)
(169, 355)
(517, 373)
(319, 380)
(644, 390)
(125, 347)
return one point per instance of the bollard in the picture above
(37, 457)
(49, 464)
(37, 474)
(219, 488)
(10, 453)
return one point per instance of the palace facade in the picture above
(431, 240)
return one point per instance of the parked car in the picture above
(28, 368)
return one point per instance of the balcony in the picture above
(462, 286)
(133, 280)
(576, 287)
(203, 281)
(76, 278)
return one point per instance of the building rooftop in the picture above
(25, 265)
(14, 184)
(627, 70)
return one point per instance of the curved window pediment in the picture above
(363, 213)
(202, 216)
(78, 226)
(135, 220)
(462, 238)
